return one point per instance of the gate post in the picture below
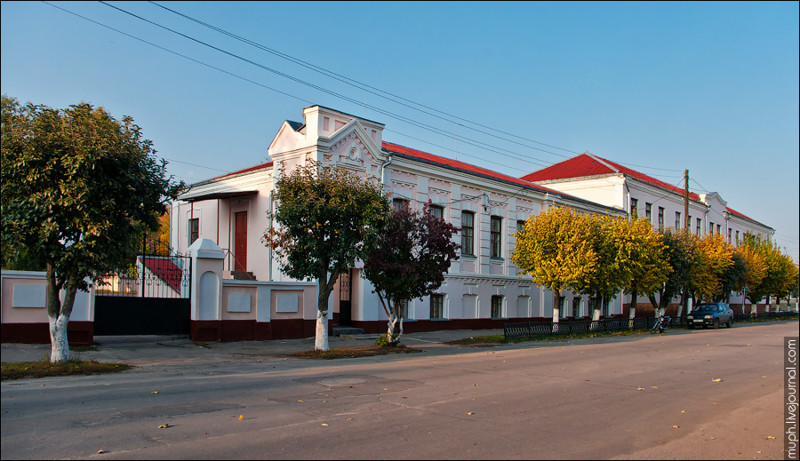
(206, 316)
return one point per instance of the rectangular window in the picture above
(737, 237)
(576, 307)
(562, 306)
(719, 230)
(660, 218)
(730, 236)
(495, 236)
(437, 306)
(634, 208)
(437, 211)
(497, 307)
(677, 220)
(710, 227)
(699, 225)
(648, 211)
(520, 225)
(194, 229)
(467, 232)
(399, 203)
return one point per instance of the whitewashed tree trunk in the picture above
(321, 337)
(59, 343)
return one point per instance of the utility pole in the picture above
(686, 222)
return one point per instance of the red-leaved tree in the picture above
(412, 256)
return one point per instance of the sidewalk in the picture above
(166, 350)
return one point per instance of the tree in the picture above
(754, 272)
(554, 248)
(610, 239)
(412, 255)
(641, 256)
(328, 218)
(79, 188)
(682, 256)
(715, 257)
(733, 278)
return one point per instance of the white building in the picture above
(481, 290)
(603, 181)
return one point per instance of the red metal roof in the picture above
(263, 166)
(164, 269)
(590, 165)
(734, 212)
(463, 166)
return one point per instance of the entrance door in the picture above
(345, 315)
(240, 241)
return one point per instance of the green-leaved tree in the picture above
(79, 189)
(328, 218)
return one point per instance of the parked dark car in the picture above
(710, 315)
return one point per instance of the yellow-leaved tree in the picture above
(642, 258)
(715, 256)
(754, 272)
(554, 248)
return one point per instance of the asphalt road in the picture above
(633, 397)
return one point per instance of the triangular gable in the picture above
(288, 136)
(354, 127)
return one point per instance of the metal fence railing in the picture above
(520, 330)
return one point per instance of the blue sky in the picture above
(658, 87)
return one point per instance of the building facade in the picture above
(600, 180)
(482, 289)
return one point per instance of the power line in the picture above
(470, 141)
(239, 77)
(377, 91)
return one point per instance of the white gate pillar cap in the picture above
(205, 248)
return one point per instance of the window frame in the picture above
(468, 233)
(497, 307)
(193, 230)
(496, 237)
(436, 210)
(436, 304)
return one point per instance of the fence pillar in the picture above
(207, 263)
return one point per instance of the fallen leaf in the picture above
(763, 377)
(639, 388)
(241, 417)
(324, 424)
(349, 419)
(654, 387)
(403, 397)
(683, 411)
(100, 452)
(770, 437)
(155, 392)
(163, 426)
(300, 401)
(675, 426)
(717, 380)
(470, 413)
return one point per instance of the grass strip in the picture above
(43, 368)
(353, 352)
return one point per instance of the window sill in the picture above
(439, 320)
